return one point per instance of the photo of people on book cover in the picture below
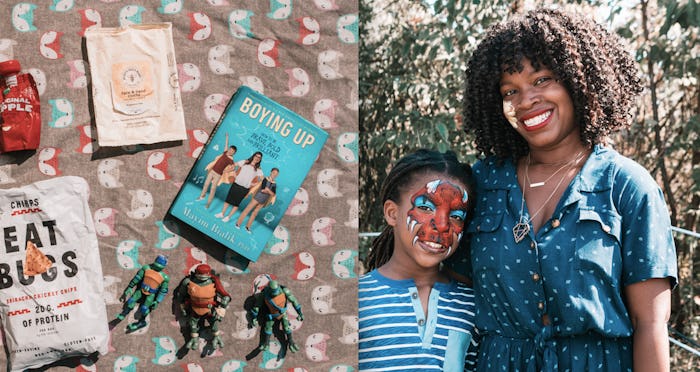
(249, 172)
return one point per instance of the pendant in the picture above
(536, 184)
(521, 229)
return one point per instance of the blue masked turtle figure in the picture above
(147, 289)
(203, 298)
(274, 297)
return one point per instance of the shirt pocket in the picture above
(598, 243)
(487, 223)
(486, 241)
(456, 350)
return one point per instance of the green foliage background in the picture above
(412, 59)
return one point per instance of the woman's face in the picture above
(257, 158)
(539, 107)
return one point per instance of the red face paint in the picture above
(20, 114)
(438, 214)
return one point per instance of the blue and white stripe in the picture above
(395, 334)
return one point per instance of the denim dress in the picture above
(611, 228)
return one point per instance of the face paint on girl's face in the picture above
(437, 216)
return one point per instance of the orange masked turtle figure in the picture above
(203, 298)
(147, 288)
(274, 297)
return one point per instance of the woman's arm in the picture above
(649, 304)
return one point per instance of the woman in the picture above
(263, 195)
(247, 173)
(575, 277)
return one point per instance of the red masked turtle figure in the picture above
(275, 298)
(203, 297)
(147, 288)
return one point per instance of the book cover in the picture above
(248, 172)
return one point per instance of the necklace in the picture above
(542, 183)
(522, 228)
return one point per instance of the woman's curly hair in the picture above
(590, 62)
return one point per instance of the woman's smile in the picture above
(536, 120)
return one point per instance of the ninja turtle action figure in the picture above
(275, 297)
(203, 297)
(147, 288)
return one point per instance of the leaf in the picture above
(432, 53)
(693, 125)
(442, 129)
(625, 32)
(657, 54)
(691, 10)
(450, 11)
(671, 17)
(447, 43)
(696, 176)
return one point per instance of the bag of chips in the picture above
(51, 282)
(135, 89)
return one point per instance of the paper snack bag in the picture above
(135, 89)
(51, 285)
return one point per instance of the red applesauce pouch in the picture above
(20, 114)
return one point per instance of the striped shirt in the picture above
(395, 335)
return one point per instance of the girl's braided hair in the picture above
(590, 62)
(402, 176)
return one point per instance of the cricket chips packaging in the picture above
(51, 284)
(20, 113)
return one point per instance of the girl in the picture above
(411, 315)
(263, 195)
(214, 171)
(247, 174)
(570, 278)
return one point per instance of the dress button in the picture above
(536, 277)
(606, 228)
(421, 322)
(414, 295)
(478, 227)
(545, 320)
(540, 305)
(533, 245)
(555, 224)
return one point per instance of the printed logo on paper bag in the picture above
(132, 87)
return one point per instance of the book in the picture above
(258, 156)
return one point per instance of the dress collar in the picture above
(595, 175)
